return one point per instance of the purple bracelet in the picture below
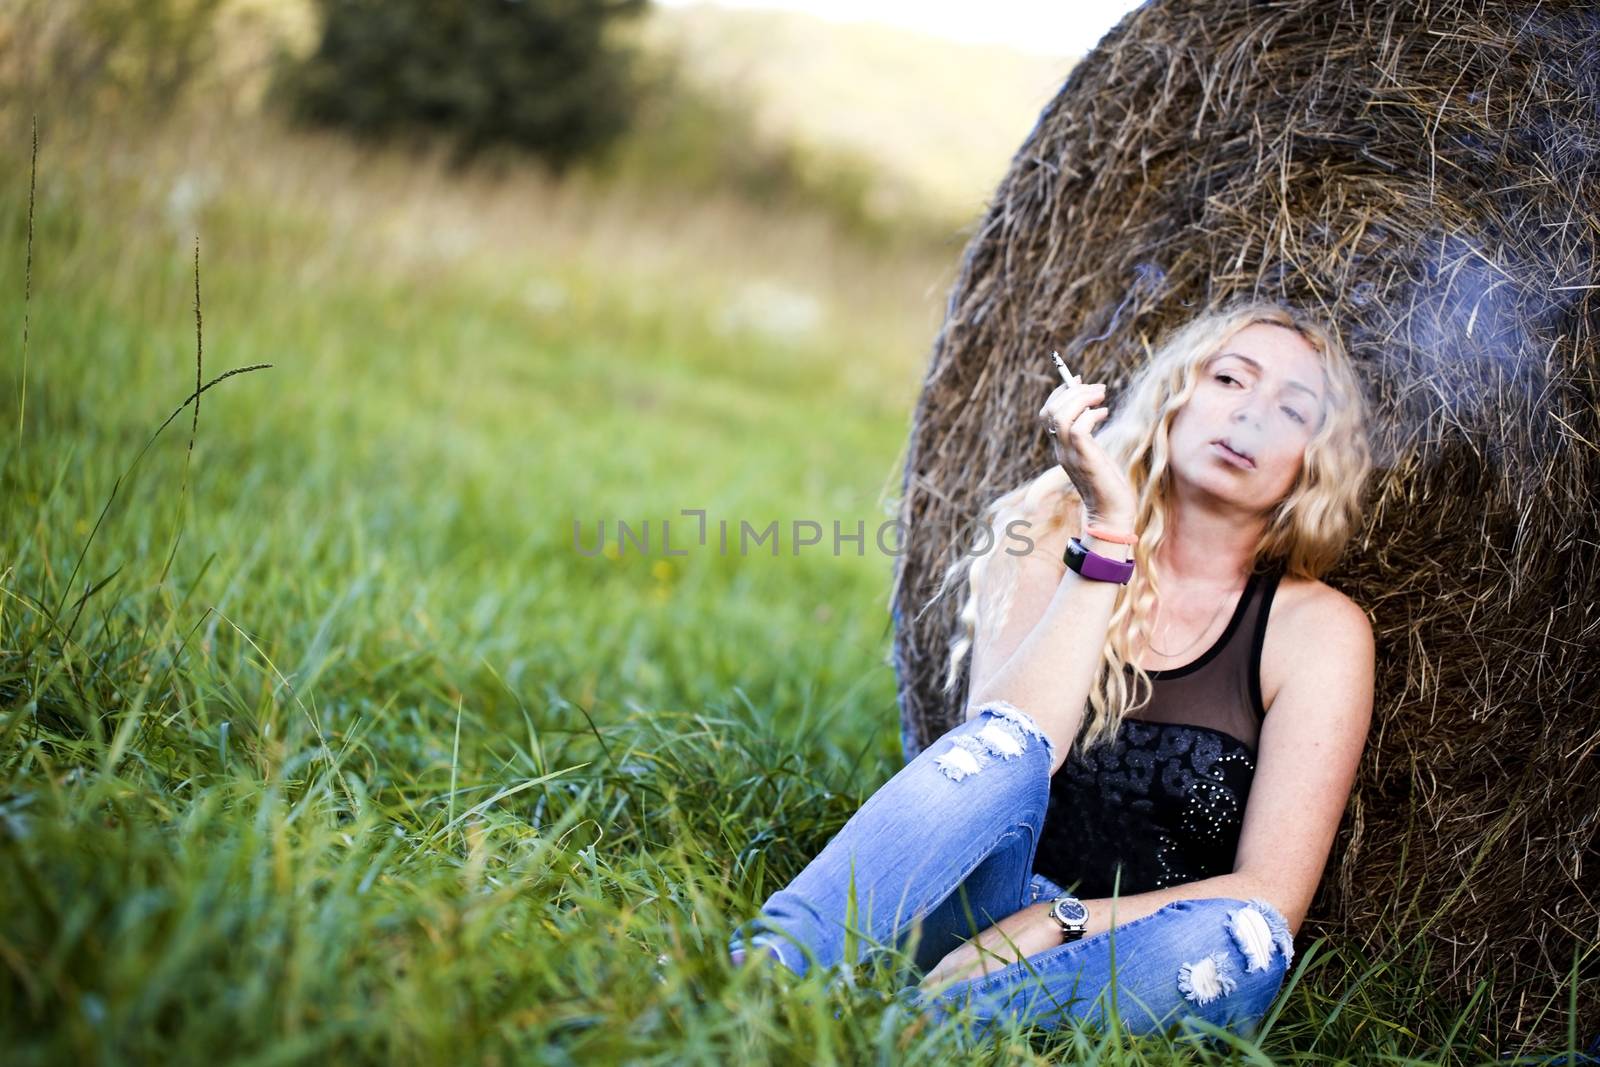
(1091, 564)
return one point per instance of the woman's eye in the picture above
(1226, 378)
(1295, 415)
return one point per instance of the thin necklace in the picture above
(1204, 630)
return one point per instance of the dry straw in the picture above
(1427, 176)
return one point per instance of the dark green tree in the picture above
(541, 74)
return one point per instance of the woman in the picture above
(1189, 800)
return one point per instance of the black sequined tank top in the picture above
(1164, 801)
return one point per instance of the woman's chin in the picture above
(1216, 487)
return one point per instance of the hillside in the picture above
(940, 118)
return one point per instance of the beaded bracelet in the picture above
(1106, 535)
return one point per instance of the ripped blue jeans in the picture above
(950, 841)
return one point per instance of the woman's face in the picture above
(1262, 394)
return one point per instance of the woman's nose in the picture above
(1249, 408)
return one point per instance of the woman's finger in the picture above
(1086, 420)
(1066, 393)
(1067, 406)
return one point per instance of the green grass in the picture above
(383, 770)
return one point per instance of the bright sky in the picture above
(1049, 27)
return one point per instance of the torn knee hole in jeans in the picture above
(1005, 735)
(1207, 979)
(1257, 928)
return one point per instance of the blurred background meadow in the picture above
(325, 732)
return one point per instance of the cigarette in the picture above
(1066, 375)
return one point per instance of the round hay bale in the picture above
(1427, 176)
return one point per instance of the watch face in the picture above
(1071, 911)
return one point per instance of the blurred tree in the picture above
(541, 74)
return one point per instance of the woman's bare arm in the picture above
(1034, 577)
(1049, 674)
(1044, 655)
(1310, 751)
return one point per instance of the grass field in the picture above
(381, 768)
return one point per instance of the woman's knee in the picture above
(997, 731)
(1220, 959)
(1235, 956)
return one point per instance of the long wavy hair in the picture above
(1307, 531)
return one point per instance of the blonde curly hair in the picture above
(1307, 531)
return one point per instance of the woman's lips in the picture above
(1231, 456)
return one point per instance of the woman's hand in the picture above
(1025, 933)
(1070, 417)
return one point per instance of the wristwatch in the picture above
(1094, 565)
(1071, 915)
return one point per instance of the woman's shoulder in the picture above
(1308, 604)
(1308, 613)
